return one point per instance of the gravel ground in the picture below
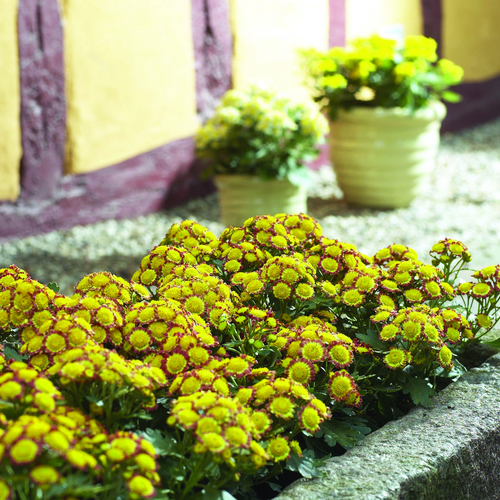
(461, 200)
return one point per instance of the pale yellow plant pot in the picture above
(244, 196)
(381, 156)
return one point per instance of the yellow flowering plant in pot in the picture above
(225, 362)
(257, 144)
(383, 101)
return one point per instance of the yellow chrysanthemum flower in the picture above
(5, 491)
(395, 359)
(214, 442)
(278, 449)
(309, 419)
(141, 486)
(282, 407)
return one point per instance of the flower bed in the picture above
(225, 361)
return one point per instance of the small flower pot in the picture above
(381, 156)
(244, 196)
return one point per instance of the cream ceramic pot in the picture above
(381, 156)
(244, 196)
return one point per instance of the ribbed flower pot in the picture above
(244, 196)
(381, 156)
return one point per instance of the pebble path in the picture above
(461, 200)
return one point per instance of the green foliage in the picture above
(420, 391)
(306, 465)
(372, 339)
(376, 72)
(53, 286)
(345, 432)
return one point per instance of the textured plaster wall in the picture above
(10, 98)
(471, 37)
(130, 78)
(267, 35)
(368, 17)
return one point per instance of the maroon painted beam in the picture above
(337, 35)
(480, 100)
(164, 177)
(480, 104)
(43, 106)
(213, 48)
(432, 13)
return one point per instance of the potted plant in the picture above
(257, 143)
(383, 101)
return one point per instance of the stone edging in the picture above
(448, 451)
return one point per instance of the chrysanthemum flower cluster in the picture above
(22, 299)
(24, 389)
(43, 451)
(224, 358)
(377, 72)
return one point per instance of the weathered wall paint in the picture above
(213, 50)
(471, 37)
(130, 78)
(267, 36)
(43, 100)
(163, 177)
(337, 23)
(10, 129)
(368, 17)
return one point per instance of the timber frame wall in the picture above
(165, 176)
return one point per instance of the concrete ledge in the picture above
(448, 451)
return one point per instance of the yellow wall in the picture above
(368, 17)
(267, 35)
(471, 36)
(10, 101)
(130, 78)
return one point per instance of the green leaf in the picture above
(233, 344)
(53, 286)
(305, 465)
(348, 411)
(344, 433)
(492, 343)
(11, 353)
(212, 494)
(371, 338)
(95, 400)
(299, 176)
(388, 388)
(450, 96)
(163, 443)
(274, 486)
(419, 390)
(455, 373)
